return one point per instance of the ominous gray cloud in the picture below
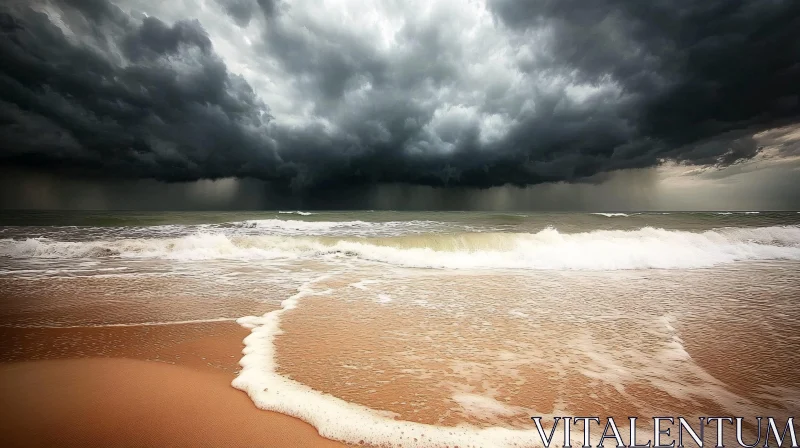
(129, 97)
(335, 96)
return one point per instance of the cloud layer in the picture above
(342, 94)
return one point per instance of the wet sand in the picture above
(164, 385)
(132, 403)
(102, 380)
(634, 346)
(429, 347)
(214, 347)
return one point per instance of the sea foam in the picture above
(547, 249)
(295, 213)
(292, 227)
(613, 215)
(335, 418)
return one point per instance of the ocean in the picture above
(441, 328)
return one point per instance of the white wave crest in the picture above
(548, 249)
(612, 215)
(296, 213)
(293, 227)
(303, 226)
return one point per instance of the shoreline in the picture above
(134, 386)
(434, 352)
(118, 402)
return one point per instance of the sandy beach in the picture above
(166, 385)
(83, 403)
(282, 333)
(127, 385)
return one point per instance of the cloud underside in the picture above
(443, 93)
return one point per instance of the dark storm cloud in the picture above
(154, 39)
(530, 92)
(240, 10)
(136, 98)
(698, 68)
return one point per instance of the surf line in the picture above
(333, 417)
(660, 429)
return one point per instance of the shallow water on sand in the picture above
(387, 327)
(491, 349)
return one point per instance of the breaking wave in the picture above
(548, 249)
(296, 213)
(292, 227)
(613, 215)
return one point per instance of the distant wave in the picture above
(292, 227)
(613, 215)
(296, 213)
(280, 224)
(548, 249)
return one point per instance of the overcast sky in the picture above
(454, 104)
